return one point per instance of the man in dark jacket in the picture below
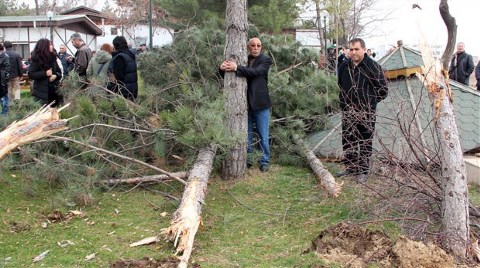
(258, 97)
(461, 66)
(477, 75)
(82, 57)
(4, 77)
(66, 59)
(122, 70)
(16, 72)
(362, 85)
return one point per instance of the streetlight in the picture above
(50, 16)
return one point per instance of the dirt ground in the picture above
(350, 245)
(146, 263)
(353, 246)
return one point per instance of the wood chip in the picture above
(145, 241)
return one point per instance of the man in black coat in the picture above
(258, 98)
(16, 72)
(477, 75)
(362, 85)
(122, 70)
(461, 65)
(4, 77)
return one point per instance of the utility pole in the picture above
(150, 44)
(50, 16)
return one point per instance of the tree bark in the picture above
(455, 205)
(327, 181)
(42, 123)
(235, 89)
(187, 217)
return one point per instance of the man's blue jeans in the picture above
(261, 121)
(5, 104)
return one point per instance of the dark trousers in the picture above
(357, 133)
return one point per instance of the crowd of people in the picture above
(112, 69)
(360, 78)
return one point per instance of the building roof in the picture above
(405, 120)
(80, 10)
(401, 58)
(93, 14)
(77, 23)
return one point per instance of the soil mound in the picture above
(353, 246)
(146, 263)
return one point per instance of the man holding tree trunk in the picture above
(258, 97)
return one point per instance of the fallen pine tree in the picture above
(327, 181)
(187, 218)
(143, 179)
(43, 123)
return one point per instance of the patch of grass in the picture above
(474, 194)
(266, 220)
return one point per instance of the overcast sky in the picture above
(402, 23)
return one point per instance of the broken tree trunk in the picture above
(327, 181)
(42, 123)
(455, 216)
(144, 179)
(187, 217)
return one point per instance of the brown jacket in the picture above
(82, 58)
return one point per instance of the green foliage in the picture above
(186, 13)
(269, 15)
(274, 15)
(12, 8)
(105, 121)
(191, 102)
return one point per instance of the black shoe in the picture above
(264, 168)
(343, 173)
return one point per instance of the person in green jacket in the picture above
(98, 66)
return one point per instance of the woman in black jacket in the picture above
(45, 73)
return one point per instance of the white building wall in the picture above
(137, 35)
(309, 38)
(30, 36)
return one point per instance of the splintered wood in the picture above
(42, 123)
(187, 218)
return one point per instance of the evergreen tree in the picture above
(269, 15)
(11, 8)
